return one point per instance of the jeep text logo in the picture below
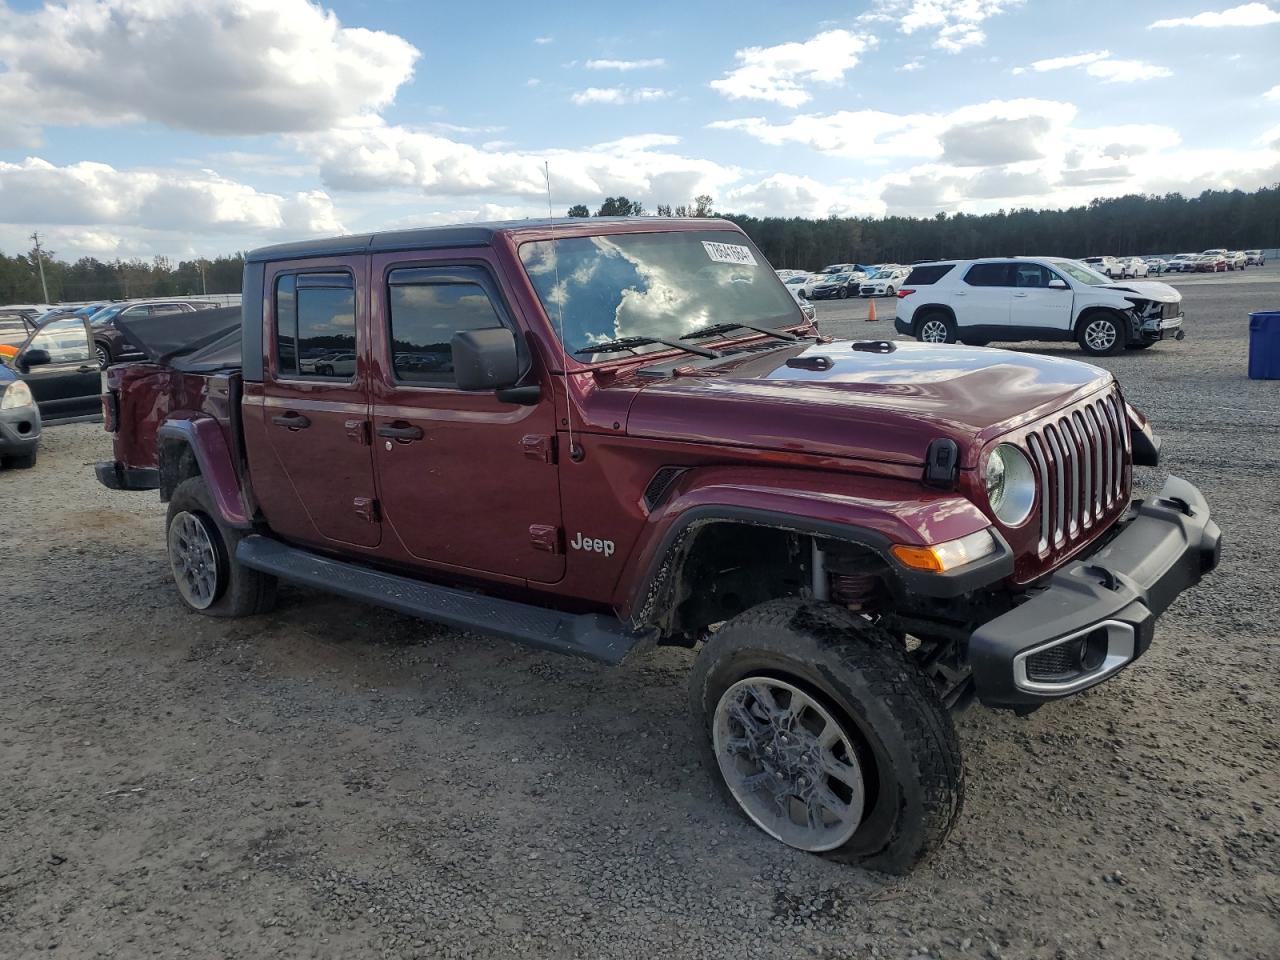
(592, 546)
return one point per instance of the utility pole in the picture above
(40, 260)
(204, 288)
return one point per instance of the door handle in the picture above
(291, 421)
(1020, 294)
(400, 431)
(85, 368)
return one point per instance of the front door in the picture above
(70, 383)
(983, 299)
(1036, 306)
(464, 479)
(315, 413)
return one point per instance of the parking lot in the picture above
(334, 780)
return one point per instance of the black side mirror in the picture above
(34, 357)
(485, 359)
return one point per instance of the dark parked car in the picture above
(55, 363)
(111, 346)
(842, 285)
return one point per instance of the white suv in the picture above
(1035, 298)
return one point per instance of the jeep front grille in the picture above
(1080, 459)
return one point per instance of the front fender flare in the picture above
(206, 441)
(871, 512)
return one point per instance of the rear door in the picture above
(983, 299)
(70, 384)
(465, 480)
(1035, 305)
(315, 421)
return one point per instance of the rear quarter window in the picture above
(929, 273)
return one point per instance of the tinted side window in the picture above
(424, 316)
(988, 275)
(65, 340)
(316, 325)
(929, 273)
(1031, 275)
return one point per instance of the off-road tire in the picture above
(240, 592)
(22, 461)
(861, 674)
(937, 316)
(1084, 333)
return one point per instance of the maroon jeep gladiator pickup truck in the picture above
(597, 435)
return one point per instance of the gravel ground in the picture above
(336, 781)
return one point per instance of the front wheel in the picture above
(936, 328)
(844, 293)
(103, 355)
(827, 737)
(202, 558)
(890, 292)
(1100, 335)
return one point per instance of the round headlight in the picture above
(1011, 484)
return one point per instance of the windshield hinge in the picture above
(539, 448)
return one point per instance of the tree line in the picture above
(1120, 226)
(92, 279)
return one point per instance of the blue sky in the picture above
(143, 127)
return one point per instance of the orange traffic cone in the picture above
(871, 313)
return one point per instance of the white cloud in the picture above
(384, 157)
(780, 73)
(625, 65)
(97, 195)
(1245, 15)
(616, 96)
(1126, 71)
(956, 24)
(1102, 65)
(912, 65)
(1273, 93)
(993, 132)
(1063, 63)
(543, 41)
(220, 66)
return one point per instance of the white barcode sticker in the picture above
(729, 253)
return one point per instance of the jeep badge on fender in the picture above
(588, 544)
(768, 492)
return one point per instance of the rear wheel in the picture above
(890, 292)
(1099, 335)
(844, 293)
(826, 736)
(202, 558)
(103, 354)
(936, 328)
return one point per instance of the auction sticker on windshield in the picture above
(729, 253)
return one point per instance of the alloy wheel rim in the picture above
(1100, 335)
(934, 331)
(789, 763)
(194, 560)
(103, 359)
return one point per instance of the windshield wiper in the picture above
(630, 343)
(726, 327)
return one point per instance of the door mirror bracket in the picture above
(33, 357)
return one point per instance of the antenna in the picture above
(575, 452)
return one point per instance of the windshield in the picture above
(1079, 272)
(654, 285)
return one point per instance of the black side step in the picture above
(586, 635)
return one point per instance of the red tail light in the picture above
(905, 293)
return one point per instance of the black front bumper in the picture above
(1097, 613)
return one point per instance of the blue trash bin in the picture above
(1264, 345)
